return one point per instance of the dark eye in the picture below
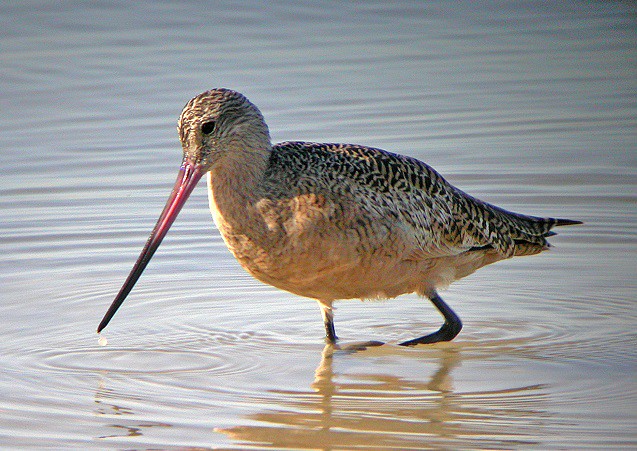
(207, 127)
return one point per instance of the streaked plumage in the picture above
(338, 221)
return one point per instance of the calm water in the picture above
(529, 105)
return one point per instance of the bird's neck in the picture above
(234, 188)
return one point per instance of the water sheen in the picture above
(528, 105)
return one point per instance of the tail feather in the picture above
(518, 234)
(566, 222)
(507, 232)
(534, 226)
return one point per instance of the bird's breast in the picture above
(315, 247)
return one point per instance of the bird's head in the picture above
(219, 124)
(218, 127)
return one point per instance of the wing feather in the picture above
(440, 219)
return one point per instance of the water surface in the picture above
(529, 105)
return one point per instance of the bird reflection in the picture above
(359, 409)
(362, 395)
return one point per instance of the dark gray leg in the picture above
(449, 329)
(330, 333)
(328, 320)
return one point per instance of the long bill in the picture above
(189, 174)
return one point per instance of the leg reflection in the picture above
(358, 399)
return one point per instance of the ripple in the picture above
(131, 361)
(174, 349)
(515, 335)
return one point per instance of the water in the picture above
(527, 105)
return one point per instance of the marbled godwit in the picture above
(334, 221)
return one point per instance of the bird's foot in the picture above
(447, 332)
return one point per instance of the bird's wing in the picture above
(439, 218)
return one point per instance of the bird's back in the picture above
(444, 220)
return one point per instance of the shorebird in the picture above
(334, 221)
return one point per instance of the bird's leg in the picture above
(449, 329)
(328, 320)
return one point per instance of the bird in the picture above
(334, 221)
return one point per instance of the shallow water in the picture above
(528, 105)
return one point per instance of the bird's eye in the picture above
(207, 127)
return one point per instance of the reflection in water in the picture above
(106, 408)
(365, 409)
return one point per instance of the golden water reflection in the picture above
(357, 409)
